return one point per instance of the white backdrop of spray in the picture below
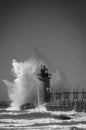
(25, 86)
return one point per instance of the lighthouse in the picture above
(45, 77)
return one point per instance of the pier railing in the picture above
(66, 97)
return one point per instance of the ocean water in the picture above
(41, 119)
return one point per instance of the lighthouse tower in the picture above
(45, 77)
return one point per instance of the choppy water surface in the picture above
(40, 119)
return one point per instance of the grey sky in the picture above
(58, 28)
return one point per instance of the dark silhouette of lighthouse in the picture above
(45, 77)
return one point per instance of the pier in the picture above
(61, 99)
(67, 100)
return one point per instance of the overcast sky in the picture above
(58, 28)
